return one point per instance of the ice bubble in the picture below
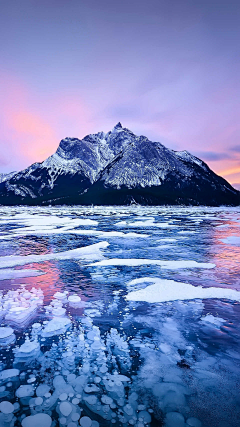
(74, 298)
(47, 395)
(75, 416)
(174, 419)
(193, 422)
(59, 311)
(25, 391)
(16, 406)
(8, 373)
(95, 424)
(63, 396)
(5, 332)
(86, 422)
(42, 390)
(71, 424)
(38, 420)
(91, 400)
(7, 336)
(38, 400)
(129, 410)
(6, 407)
(65, 408)
(31, 380)
(145, 417)
(28, 348)
(36, 327)
(91, 388)
(60, 295)
(106, 399)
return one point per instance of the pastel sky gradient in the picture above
(167, 69)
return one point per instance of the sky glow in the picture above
(166, 69)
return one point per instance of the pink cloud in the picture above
(32, 130)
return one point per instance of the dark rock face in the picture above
(117, 168)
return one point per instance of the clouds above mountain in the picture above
(169, 70)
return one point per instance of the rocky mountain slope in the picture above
(117, 168)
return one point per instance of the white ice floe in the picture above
(18, 274)
(91, 252)
(168, 290)
(29, 231)
(36, 221)
(171, 265)
(232, 240)
(146, 223)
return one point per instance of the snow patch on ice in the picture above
(87, 253)
(168, 290)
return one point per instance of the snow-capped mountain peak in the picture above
(117, 167)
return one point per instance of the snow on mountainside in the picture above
(6, 176)
(117, 167)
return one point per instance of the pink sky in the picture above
(167, 70)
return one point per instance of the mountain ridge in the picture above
(117, 167)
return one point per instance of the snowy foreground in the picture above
(124, 316)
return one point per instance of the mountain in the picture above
(6, 176)
(117, 167)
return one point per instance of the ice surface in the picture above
(87, 253)
(168, 290)
(17, 274)
(133, 360)
(169, 265)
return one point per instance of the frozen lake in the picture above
(125, 316)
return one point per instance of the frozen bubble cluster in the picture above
(19, 307)
(83, 378)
